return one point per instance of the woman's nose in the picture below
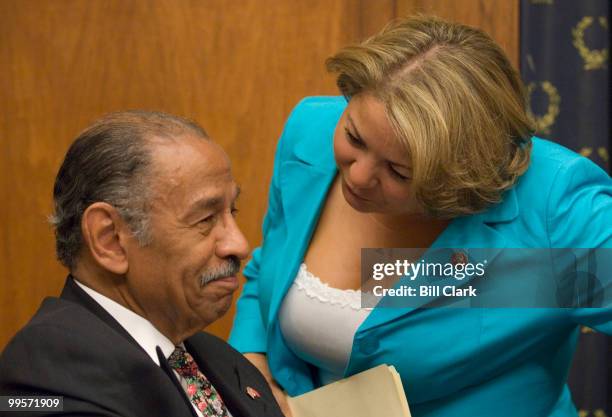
(362, 174)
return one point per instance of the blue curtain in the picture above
(565, 65)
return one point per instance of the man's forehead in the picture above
(190, 169)
(176, 158)
(183, 148)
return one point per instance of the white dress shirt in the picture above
(143, 332)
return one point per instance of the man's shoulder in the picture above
(67, 350)
(61, 331)
(54, 315)
(211, 346)
(65, 319)
(65, 341)
(218, 354)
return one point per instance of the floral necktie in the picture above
(199, 389)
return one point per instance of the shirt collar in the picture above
(145, 334)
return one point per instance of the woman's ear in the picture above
(104, 235)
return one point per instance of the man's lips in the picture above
(228, 272)
(231, 282)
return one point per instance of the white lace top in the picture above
(319, 322)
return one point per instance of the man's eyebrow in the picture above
(356, 133)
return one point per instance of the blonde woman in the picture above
(430, 146)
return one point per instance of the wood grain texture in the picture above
(237, 70)
(374, 15)
(237, 67)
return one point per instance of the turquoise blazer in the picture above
(453, 362)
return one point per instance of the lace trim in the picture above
(314, 288)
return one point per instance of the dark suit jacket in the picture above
(73, 348)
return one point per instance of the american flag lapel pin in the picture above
(252, 392)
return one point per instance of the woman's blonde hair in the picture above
(454, 101)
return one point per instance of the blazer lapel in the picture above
(304, 186)
(462, 234)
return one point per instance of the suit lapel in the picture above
(72, 292)
(231, 382)
(141, 375)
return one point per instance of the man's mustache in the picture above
(230, 268)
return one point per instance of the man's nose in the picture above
(232, 242)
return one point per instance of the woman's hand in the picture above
(281, 397)
(261, 362)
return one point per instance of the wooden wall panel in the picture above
(235, 66)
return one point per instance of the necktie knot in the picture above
(182, 362)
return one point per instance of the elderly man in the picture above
(144, 217)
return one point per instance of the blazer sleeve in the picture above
(580, 216)
(249, 331)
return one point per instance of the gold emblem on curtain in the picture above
(545, 121)
(596, 413)
(602, 151)
(593, 58)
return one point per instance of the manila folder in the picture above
(375, 392)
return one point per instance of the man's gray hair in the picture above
(110, 162)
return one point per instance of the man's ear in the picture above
(104, 233)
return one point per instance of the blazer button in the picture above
(369, 345)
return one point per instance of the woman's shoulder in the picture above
(313, 114)
(553, 163)
(311, 124)
(551, 154)
(320, 106)
(571, 193)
